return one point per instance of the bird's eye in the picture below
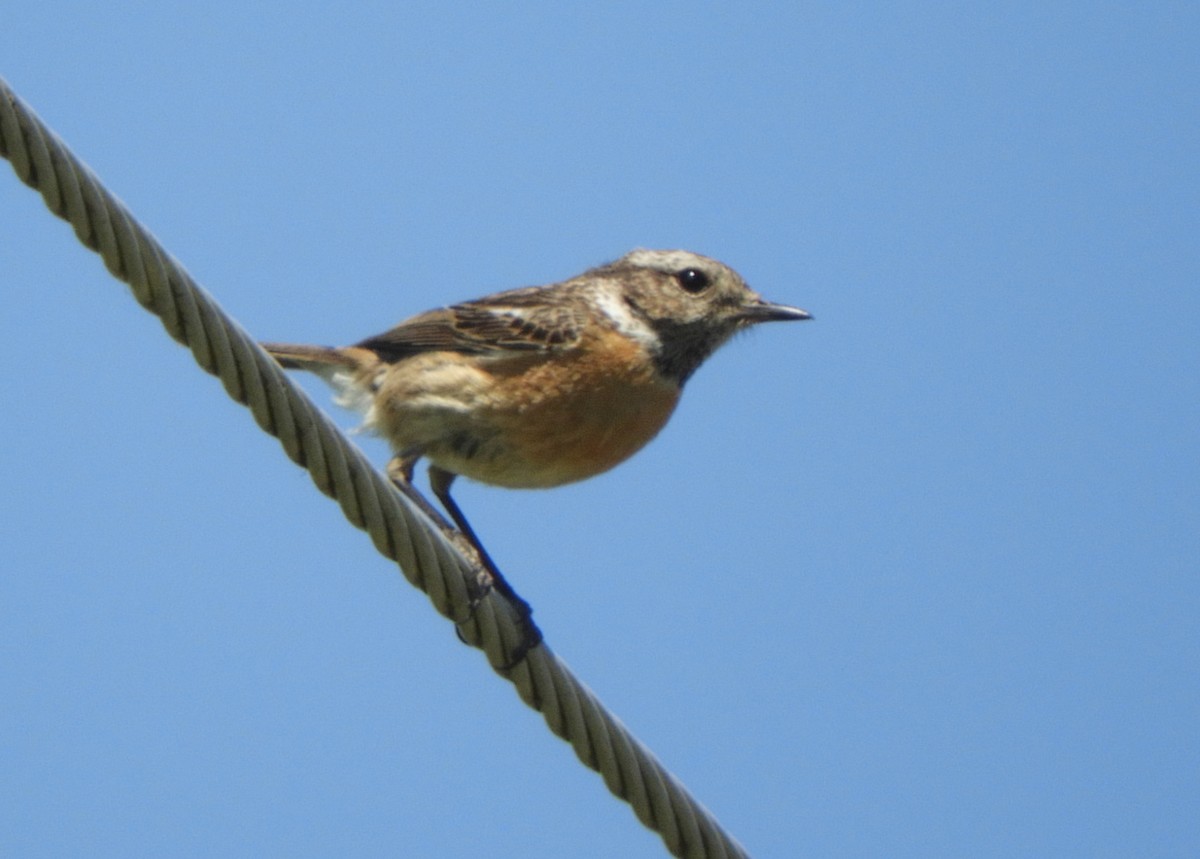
(692, 279)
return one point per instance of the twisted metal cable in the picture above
(398, 530)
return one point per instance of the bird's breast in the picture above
(528, 420)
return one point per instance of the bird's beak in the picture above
(764, 311)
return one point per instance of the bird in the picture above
(539, 386)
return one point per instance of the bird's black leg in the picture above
(440, 481)
(400, 472)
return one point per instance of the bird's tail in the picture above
(348, 370)
(322, 360)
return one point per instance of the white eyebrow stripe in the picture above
(613, 306)
(665, 261)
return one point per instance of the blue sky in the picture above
(918, 578)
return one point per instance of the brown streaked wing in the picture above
(518, 320)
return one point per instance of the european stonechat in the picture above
(540, 386)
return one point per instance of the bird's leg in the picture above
(400, 471)
(440, 481)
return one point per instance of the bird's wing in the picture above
(521, 320)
